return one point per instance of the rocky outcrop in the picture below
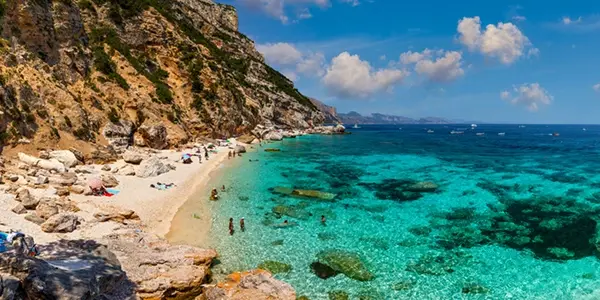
(52, 165)
(63, 222)
(133, 157)
(66, 157)
(347, 263)
(151, 167)
(329, 112)
(257, 284)
(64, 270)
(154, 74)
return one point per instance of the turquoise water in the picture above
(513, 217)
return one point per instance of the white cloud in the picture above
(530, 95)
(350, 77)
(533, 52)
(518, 18)
(596, 87)
(279, 8)
(569, 21)
(287, 55)
(440, 66)
(280, 53)
(312, 64)
(503, 41)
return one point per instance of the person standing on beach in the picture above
(206, 154)
(230, 226)
(242, 225)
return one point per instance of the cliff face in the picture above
(146, 72)
(329, 112)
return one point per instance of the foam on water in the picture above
(467, 168)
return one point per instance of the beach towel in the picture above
(112, 192)
(3, 237)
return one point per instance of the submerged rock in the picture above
(437, 264)
(348, 263)
(275, 267)
(338, 295)
(404, 285)
(290, 211)
(323, 271)
(426, 187)
(314, 194)
(474, 288)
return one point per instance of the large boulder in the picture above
(159, 270)
(240, 149)
(154, 136)
(273, 136)
(29, 201)
(63, 179)
(151, 167)
(324, 196)
(63, 222)
(64, 270)
(46, 209)
(256, 284)
(339, 129)
(50, 165)
(133, 157)
(10, 288)
(127, 170)
(109, 181)
(66, 157)
(246, 138)
(345, 262)
(19, 209)
(119, 135)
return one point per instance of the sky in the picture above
(491, 61)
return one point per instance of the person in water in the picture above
(214, 195)
(323, 221)
(242, 225)
(230, 226)
(286, 222)
(223, 188)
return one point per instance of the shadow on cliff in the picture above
(79, 269)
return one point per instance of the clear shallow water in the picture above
(514, 214)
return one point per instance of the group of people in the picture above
(232, 154)
(162, 186)
(186, 158)
(242, 226)
(214, 194)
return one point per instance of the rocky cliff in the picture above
(155, 73)
(329, 112)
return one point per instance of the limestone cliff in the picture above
(153, 73)
(329, 112)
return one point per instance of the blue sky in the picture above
(493, 61)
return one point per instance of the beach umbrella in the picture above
(95, 183)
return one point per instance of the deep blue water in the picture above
(513, 216)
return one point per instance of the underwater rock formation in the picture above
(275, 267)
(348, 263)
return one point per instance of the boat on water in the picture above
(521, 126)
(555, 134)
(355, 125)
(430, 131)
(502, 133)
(456, 132)
(480, 134)
(473, 126)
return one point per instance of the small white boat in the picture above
(456, 132)
(521, 126)
(473, 126)
(429, 131)
(502, 133)
(480, 134)
(355, 125)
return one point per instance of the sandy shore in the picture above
(155, 208)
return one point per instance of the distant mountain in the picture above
(377, 118)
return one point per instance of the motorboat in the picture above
(473, 126)
(555, 134)
(502, 133)
(430, 131)
(456, 132)
(355, 126)
(480, 134)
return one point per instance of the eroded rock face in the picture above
(119, 134)
(257, 284)
(154, 136)
(160, 270)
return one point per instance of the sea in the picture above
(494, 212)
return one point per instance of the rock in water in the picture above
(66, 157)
(422, 187)
(303, 193)
(322, 271)
(275, 267)
(63, 222)
(240, 149)
(151, 167)
(339, 128)
(273, 136)
(348, 263)
(257, 284)
(338, 295)
(133, 157)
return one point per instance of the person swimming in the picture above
(223, 188)
(214, 195)
(242, 225)
(323, 221)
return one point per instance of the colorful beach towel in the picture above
(112, 192)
